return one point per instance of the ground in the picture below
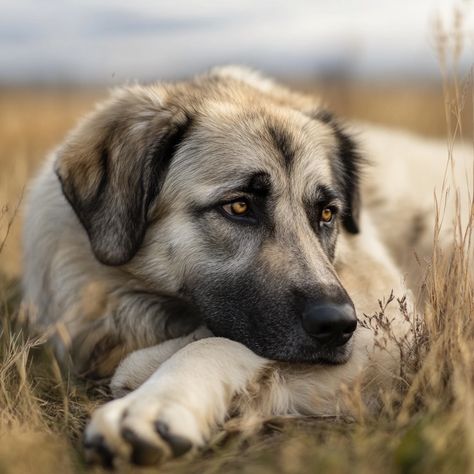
(425, 422)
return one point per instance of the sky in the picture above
(112, 41)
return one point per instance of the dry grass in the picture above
(425, 423)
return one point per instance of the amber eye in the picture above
(326, 215)
(236, 208)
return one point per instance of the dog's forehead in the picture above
(230, 143)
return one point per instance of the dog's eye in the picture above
(238, 208)
(327, 215)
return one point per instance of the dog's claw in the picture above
(97, 452)
(178, 444)
(143, 452)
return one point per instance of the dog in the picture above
(215, 248)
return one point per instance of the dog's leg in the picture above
(178, 407)
(140, 365)
(193, 392)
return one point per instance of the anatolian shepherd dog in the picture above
(215, 247)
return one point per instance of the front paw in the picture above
(142, 430)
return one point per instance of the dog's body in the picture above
(137, 249)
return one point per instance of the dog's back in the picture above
(411, 186)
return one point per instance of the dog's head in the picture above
(229, 193)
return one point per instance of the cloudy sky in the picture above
(109, 41)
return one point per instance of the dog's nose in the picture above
(329, 323)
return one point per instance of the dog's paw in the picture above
(142, 430)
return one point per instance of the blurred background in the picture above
(382, 61)
(108, 42)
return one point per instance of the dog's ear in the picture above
(347, 168)
(350, 163)
(112, 168)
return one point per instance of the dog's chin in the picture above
(304, 355)
(336, 357)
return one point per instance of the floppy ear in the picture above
(112, 168)
(346, 168)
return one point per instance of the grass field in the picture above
(426, 425)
